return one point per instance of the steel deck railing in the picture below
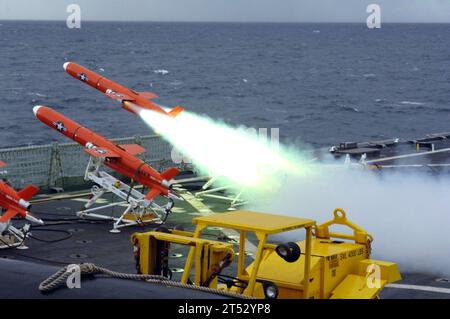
(50, 165)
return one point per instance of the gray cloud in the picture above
(229, 10)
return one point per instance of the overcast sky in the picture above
(229, 10)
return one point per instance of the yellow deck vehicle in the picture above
(325, 264)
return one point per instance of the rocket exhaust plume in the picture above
(407, 213)
(234, 154)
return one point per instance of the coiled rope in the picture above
(59, 279)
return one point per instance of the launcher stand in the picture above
(139, 211)
(225, 193)
(12, 237)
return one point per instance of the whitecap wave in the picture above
(411, 103)
(161, 71)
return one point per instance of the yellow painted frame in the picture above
(262, 225)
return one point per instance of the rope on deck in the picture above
(59, 279)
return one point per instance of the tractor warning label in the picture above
(333, 261)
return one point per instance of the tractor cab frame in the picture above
(317, 267)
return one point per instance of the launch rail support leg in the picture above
(221, 193)
(18, 241)
(138, 211)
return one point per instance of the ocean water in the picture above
(319, 84)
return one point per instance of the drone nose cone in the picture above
(65, 65)
(36, 109)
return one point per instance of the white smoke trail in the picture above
(220, 150)
(407, 213)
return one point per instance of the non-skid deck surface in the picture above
(92, 242)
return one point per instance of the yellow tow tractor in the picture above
(325, 264)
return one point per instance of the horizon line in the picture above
(227, 21)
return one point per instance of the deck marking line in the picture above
(422, 288)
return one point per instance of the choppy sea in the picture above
(319, 84)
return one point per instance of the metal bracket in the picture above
(138, 210)
(13, 237)
(218, 193)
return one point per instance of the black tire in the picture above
(289, 251)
